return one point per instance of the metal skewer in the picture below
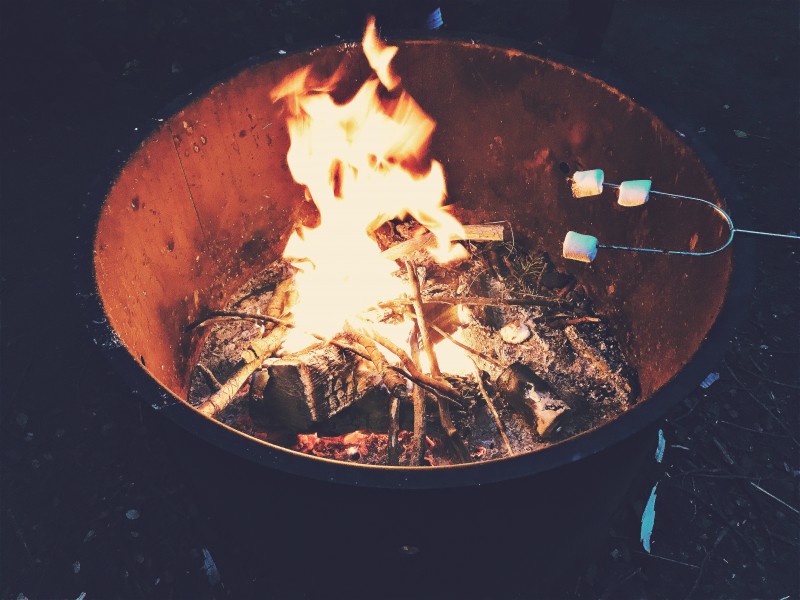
(720, 211)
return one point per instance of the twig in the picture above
(611, 590)
(489, 232)
(713, 509)
(225, 314)
(492, 409)
(723, 450)
(480, 301)
(716, 475)
(211, 380)
(706, 558)
(469, 349)
(789, 506)
(672, 560)
(579, 320)
(254, 356)
(763, 377)
(418, 447)
(444, 410)
(393, 382)
(435, 387)
(751, 430)
(781, 538)
(413, 369)
(762, 405)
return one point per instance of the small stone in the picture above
(132, 514)
(515, 333)
(76, 567)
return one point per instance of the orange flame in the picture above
(363, 163)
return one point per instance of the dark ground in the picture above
(81, 451)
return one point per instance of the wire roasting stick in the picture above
(583, 248)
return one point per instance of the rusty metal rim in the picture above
(232, 441)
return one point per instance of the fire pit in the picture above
(207, 202)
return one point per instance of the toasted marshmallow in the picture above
(578, 246)
(587, 183)
(634, 193)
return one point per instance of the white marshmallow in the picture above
(634, 193)
(578, 246)
(587, 183)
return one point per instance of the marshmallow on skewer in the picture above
(578, 246)
(634, 193)
(587, 183)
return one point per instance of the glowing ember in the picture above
(363, 163)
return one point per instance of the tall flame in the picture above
(363, 163)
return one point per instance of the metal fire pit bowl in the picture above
(206, 201)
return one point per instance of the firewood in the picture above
(480, 301)
(598, 362)
(532, 396)
(412, 372)
(393, 382)
(221, 398)
(444, 409)
(418, 396)
(470, 349)
(581, 361)
(489, 232)
(490, 404)
(313, 385)
(209, 377)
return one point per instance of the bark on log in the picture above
(313, 385)
(282, 297)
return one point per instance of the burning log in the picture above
(490, 232)
(312, 386)
(532, 396)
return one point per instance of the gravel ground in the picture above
(90, 503)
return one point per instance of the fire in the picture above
(363, 162)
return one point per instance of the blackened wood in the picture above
(313, 385)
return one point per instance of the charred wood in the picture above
(311, 386)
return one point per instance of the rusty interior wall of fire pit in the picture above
(207, 201)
